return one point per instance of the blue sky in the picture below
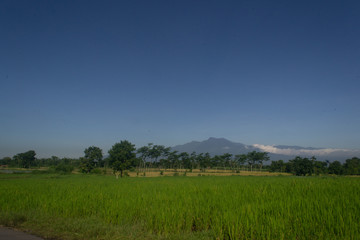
(80, 73)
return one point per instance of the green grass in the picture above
(101, 207)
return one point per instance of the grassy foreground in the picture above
(101, 207)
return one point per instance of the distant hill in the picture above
(218, 146)
(214, 146)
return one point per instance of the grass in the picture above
(237, 207)
(197, 172)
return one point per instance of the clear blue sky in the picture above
(80, 73)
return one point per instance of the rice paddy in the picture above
(222, 207)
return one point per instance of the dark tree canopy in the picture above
(352, 166)
(94, 153)
(26, 159)
(122, 156)
(302, 166)
(335, 168)
(93, 158)
(257, 157)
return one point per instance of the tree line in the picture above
(310, 166)
(123, 156)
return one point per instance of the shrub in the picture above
(63, 168)
(96, 171)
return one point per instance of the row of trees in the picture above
(309, 166)
(162, 157)
(124, 156)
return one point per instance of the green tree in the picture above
(5, 161)
(352, 166)
(302, 166)
(95, 154)
(122, 157)
(157, 151)
(93, 158)
(26, 159)
(226, 159)
(257, 157)
(241, 159)
(204, 161)
(262, 157)
(335, 168)
(185, 160)
(144, 154)
(173, 158)
(193, 157)
(277, 166)
(319, 167)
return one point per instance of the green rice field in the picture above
(231, 207)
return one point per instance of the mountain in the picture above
(218, 146)
(214, 146)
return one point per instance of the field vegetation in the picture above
(124, 157)
(80, 206)
(163, 194)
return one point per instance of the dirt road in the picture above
(11, 234)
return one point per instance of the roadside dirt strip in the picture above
(11, 234)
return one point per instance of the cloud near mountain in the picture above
(218, 146)
(292, 151)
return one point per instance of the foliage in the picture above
(93, 158)
(352, 166)
(158, 156)
(277, 166)
(257, 157)
(336, 168)
(64, 168)
(97, 171)
(302, 166)
(122, 156)
(215, 207)
(319, 167)
(26, 159)
(5, 161)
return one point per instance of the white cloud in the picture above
(291, 151)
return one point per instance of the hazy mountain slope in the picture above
(214, 146)
(218, 146)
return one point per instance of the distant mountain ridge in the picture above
(218, 146)
(214, 146)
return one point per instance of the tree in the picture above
(241, 159)
(173, 158)
(95, 154)
(254, 157)
(262, 157)
(144, 154)
(93, 158)
(122, 157)
(319, 167)
(204, 161)
(335, 168)
(25, 159)
(5, 161)
(193, 161)
(226, 159)
(302, 166)
(185, 160)
(277, 166)
(157, 151)
(352, 166)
